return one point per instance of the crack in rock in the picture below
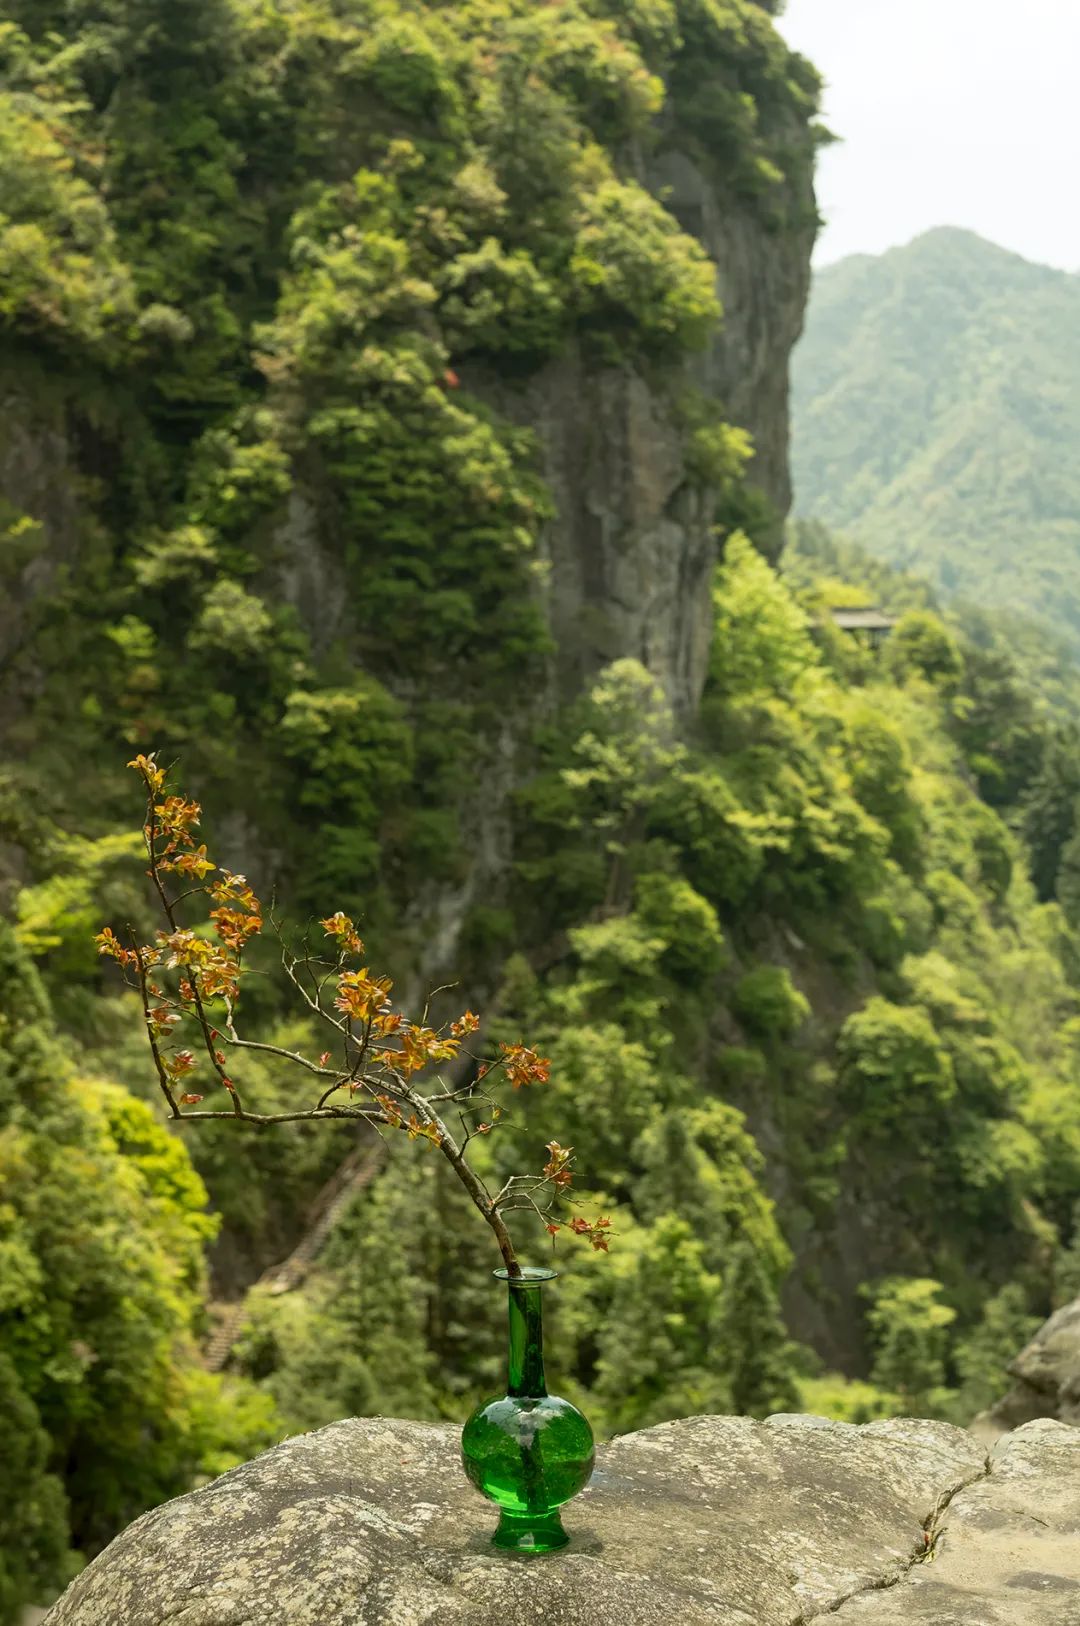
(933, 1528)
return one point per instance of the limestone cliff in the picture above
(632, 545)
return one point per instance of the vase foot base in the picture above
(530, 1533)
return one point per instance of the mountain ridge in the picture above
(936, 403)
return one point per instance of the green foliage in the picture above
(356, 1345)
(496, 301)
(402, 63)
(909, 1326)
(57, 918)
(762, 638)
(757, 1346)
(731, 120)
(686, 924)
(716, 453)
(1067, 1266)
(232, 623)
(704, 1166)
(768, 1004)
(1048, 820)
(658, 1348)
(640, 284)
(881, 767)
(921, 644)
(982, 1358)
(401, 1319)
(849, 1400)
(1010, 687)
(103, 1224)
(896, 1067)
(350, 751)
(34, 1556)
(62, 269)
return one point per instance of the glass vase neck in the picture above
(525, 1362)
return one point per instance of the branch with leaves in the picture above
(379, 1067)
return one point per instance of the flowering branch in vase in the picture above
(380, 1067)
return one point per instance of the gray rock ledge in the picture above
(1047, 1374)
(713, 1520)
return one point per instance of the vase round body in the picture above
(528, 1451)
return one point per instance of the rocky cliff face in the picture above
(39, 509)
(631, 550)
(711, 1521)
(1047, 1378)
(763, 280)
(629, 553)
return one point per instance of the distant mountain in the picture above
(937, 419)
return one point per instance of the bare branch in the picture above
(233, 1039)
(163, 1077)
(369, 1115)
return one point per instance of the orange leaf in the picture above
(524, 1066)
(150, 771)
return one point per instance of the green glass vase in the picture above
(528, 1451)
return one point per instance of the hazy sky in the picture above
(952, 113)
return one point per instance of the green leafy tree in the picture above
(768, 1004)
(762, 638)
(621, 759)
(922, 645)
(34, 1532)
(897, 1068)
(759, 1351)
(102, 1229)
(659, 1351)
(704, 1166)
(1048, 818)
(982, 1358)
(909, 1327)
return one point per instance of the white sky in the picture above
(952, 113)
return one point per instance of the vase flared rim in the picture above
(531, 1275)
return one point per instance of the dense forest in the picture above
(298, 303)
(936, 407)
